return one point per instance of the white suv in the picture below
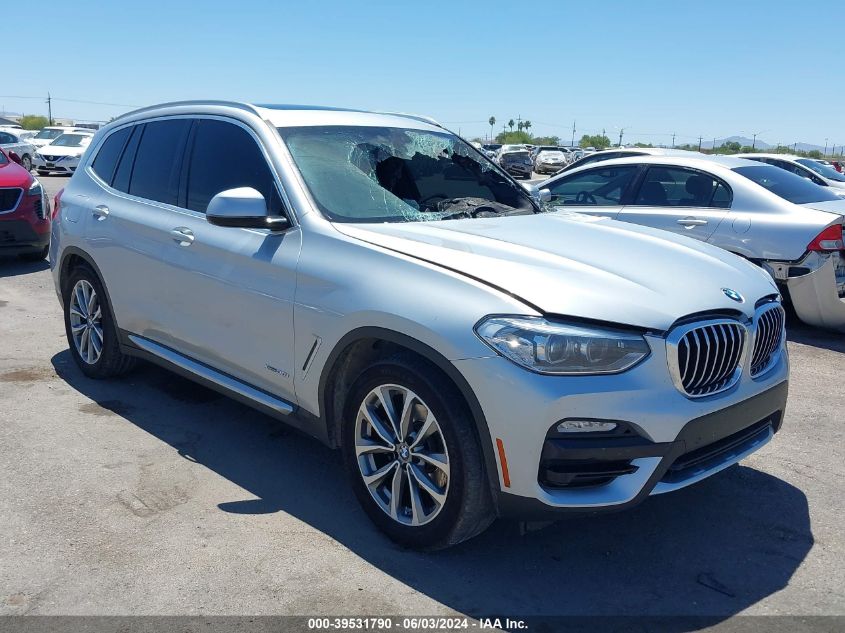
(381, 285)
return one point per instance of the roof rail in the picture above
(195, 102)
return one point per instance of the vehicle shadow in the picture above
(14, 266)
(711, 550)
(797, 332)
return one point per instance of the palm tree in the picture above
(526, 125)
(492, 122)
(511, 124)
(519, 126)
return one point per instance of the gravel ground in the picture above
(151, 495)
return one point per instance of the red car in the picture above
(24, 211)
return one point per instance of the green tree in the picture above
(492, 122)
(599, 141)
(514, 138)
(813, 153)
(546, 140)
(33, 122)
(511, 124)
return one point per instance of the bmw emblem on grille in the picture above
(733, 294)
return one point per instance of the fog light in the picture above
(586, 426)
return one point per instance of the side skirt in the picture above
(269, 404)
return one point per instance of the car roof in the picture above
(764, 155)
(293, 115)
(700, 161)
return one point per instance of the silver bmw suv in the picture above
(379, 284)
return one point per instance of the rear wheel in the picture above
(90, 327)
(412, 454)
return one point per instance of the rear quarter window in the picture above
(157, 167)
(105, 162)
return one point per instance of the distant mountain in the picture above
(742, 140)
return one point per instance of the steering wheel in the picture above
(585, 197)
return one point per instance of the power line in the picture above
(119, 105)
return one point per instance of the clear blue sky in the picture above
(714, 68)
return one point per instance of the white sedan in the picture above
(62, 155)
(781, 222)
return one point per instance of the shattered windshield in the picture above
(386, 174)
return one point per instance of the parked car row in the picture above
(766, 213)
(54, 149)
(378, 284)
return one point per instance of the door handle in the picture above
(101, 212)
(691, 222)
(184, 236)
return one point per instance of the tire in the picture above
(109, 361)
(36, 256)
(467, 507)
(26, 162)
(41, 172)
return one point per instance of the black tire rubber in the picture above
(36, 256)
(468, 510)
(26, 158)
(112, 361)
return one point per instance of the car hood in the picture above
(60, 150)
(831, 206)
(13, 175)
(581, 266)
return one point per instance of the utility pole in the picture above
(572, 144)
(714, 145)
(754, 141)
(825, 148)
(49, 109)
(673, 140)
(621, 130)
(699, 142)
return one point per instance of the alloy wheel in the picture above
(86, 317)
(402, 455)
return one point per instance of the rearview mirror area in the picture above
(15, 158)
(244, 208)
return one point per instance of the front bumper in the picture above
(816, 296)
(522, 408)
(20, 236)
(60, 164)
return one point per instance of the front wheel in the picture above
(26, 162)
(412, 454)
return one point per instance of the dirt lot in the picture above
(150, 495)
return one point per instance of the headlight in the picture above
(35, 188)
(559, 348)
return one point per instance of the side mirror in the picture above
(244, 208)
(15, 158)
(544, 195)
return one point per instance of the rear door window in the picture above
(155, 175)
(105, 162)
(226, 156)
(679, 187)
